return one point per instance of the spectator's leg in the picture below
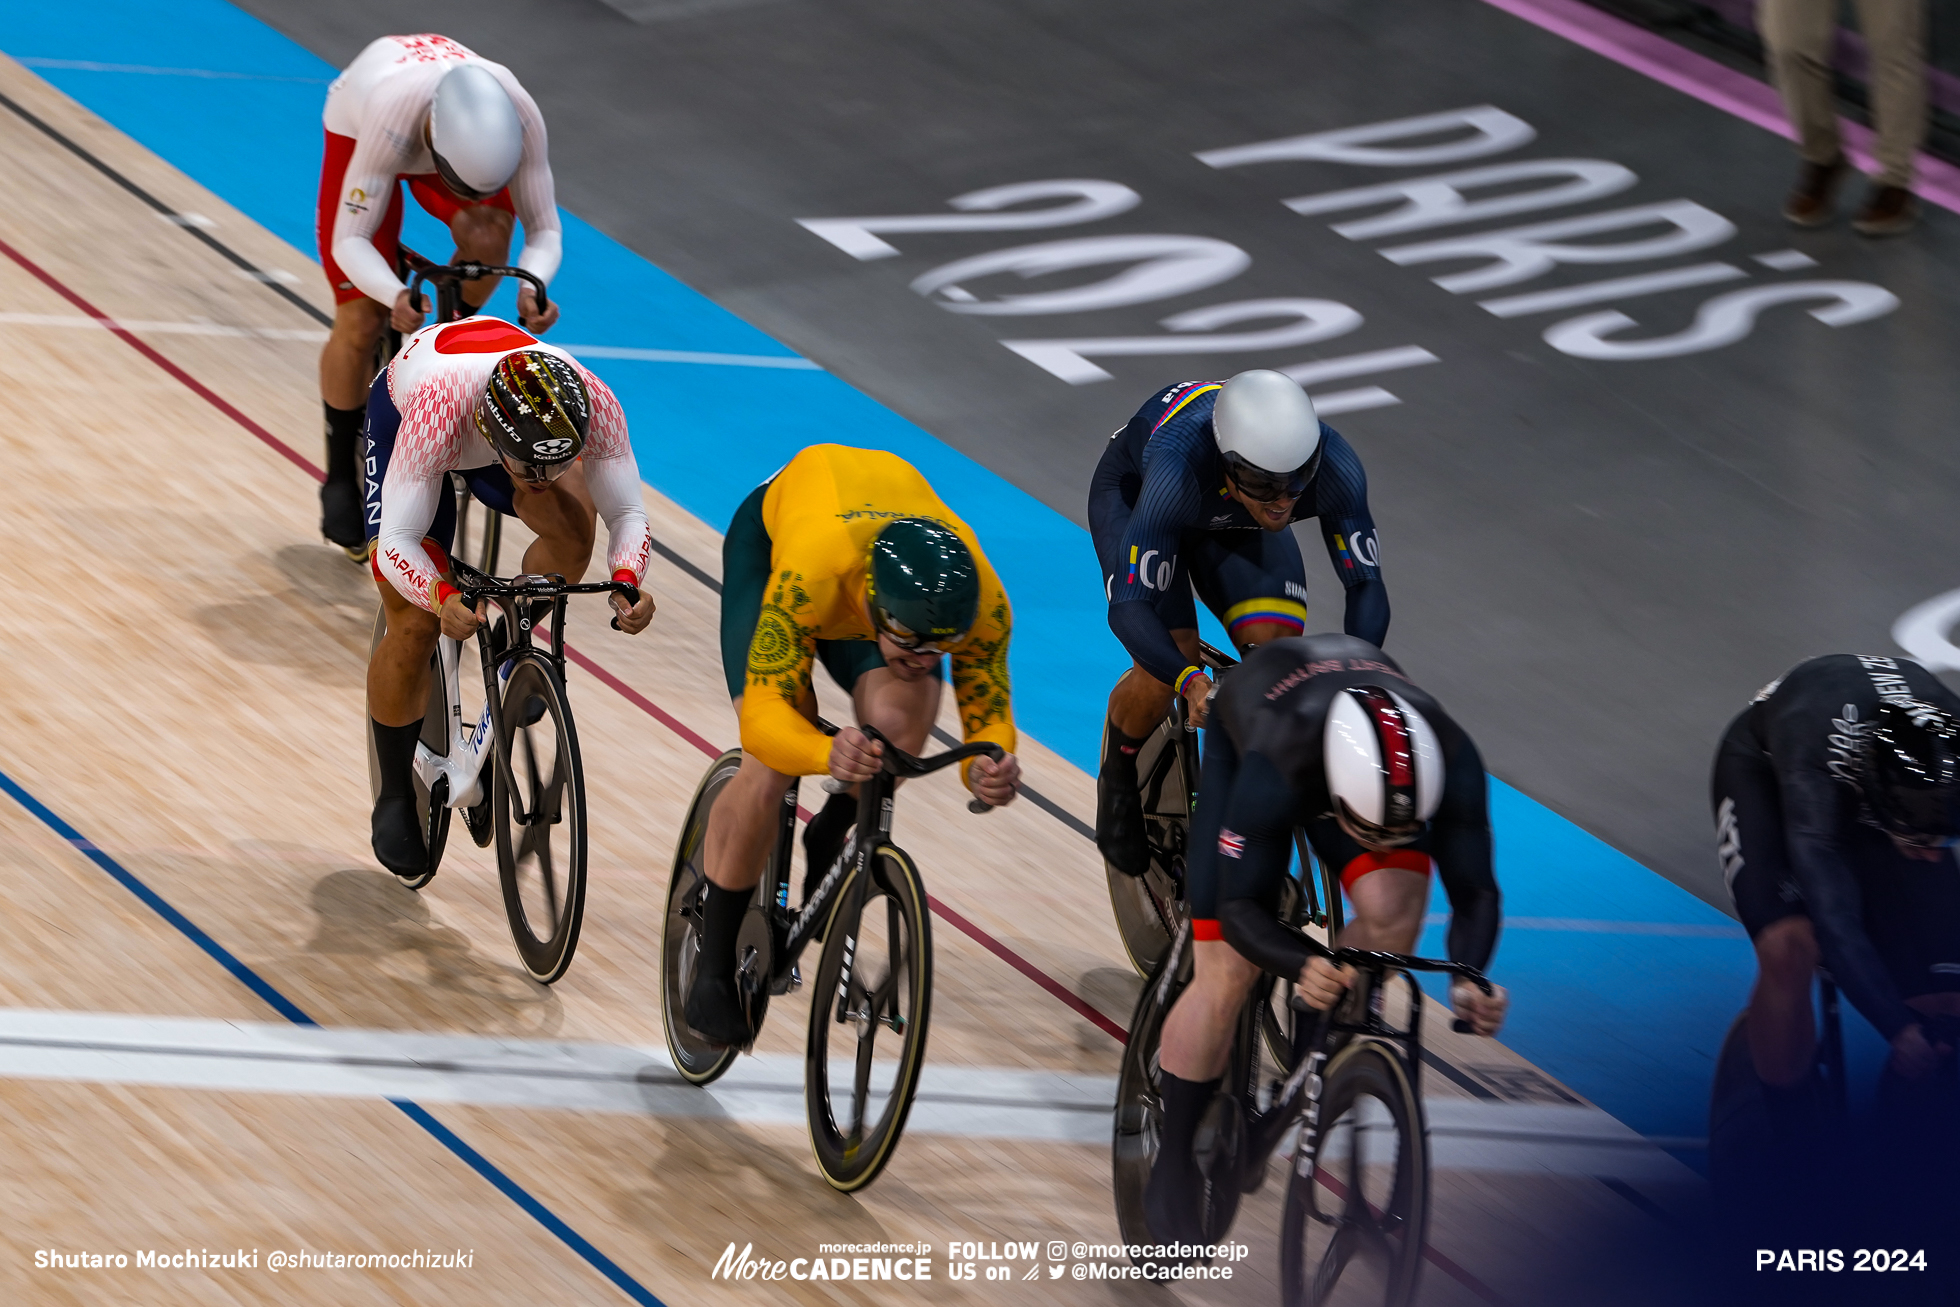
(1895, 31)
(1797, 38)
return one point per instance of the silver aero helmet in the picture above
(1267, 433)
(474, 132)
(1384, 767)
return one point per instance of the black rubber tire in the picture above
(1139, 1108)
(542, 864)
(435, 821)
(891, 943)
(700, 1061)
(1150, 908)
(1382, 1212)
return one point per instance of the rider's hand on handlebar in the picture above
(854, 757)
(633, 620)
(531, 320)
(1196, 698)
(1322, 983)
(994, 783)
(1912, 1055)
(1484, 1012)
(407, 314)
(459, 620)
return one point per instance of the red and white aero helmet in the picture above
(1384, 767)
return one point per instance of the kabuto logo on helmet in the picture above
(535, 409)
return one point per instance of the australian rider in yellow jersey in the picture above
(845, 557)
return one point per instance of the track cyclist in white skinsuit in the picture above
(536, 436)
(470, 143)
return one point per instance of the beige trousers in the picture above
(1799, 35)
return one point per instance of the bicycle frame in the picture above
(516, 598)
(462, 767)
(791, 933)
(1266, 1130)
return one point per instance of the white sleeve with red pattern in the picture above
(408, 509)
(613, 476)
(426, 447)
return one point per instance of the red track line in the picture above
(644, 704)
(1075, 1002)
(197, 387)
(1442, 1263)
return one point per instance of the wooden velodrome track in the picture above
(183, 689)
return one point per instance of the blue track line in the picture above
(290, 1010)
(1632, 1021)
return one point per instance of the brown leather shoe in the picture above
(1888, 211)
(1809, 202)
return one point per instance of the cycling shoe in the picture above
(714, 1010)
(1119, 822)
(398, 837)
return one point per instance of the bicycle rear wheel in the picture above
(434, 815)
(1357, 1209)
(1150, 908)
(869, 1009)
(538, 801)
(699, 1060)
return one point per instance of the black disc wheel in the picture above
(435, 816)
(1150, 908)
(1357, 1208)
(698, 1059)
(869, 1007)
(538, 803)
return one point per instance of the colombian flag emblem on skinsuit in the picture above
(1340, 547)
(1133, 566)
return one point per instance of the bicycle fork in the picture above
(463, 764)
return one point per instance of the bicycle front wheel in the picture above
(435, 727)
(869, 1008)
(538, 800)
(699, 1060)
(1357, 1210)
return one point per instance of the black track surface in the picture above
(1593, 563)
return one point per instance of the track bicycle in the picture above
(513, 768)
(1357, 1199)
(873, 978)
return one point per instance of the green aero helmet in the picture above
(922, 585)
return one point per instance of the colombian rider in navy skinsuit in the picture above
(1198, 491)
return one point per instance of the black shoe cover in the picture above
(398, 837)
(340, 514)
(714, 1010)
(1119, 822)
